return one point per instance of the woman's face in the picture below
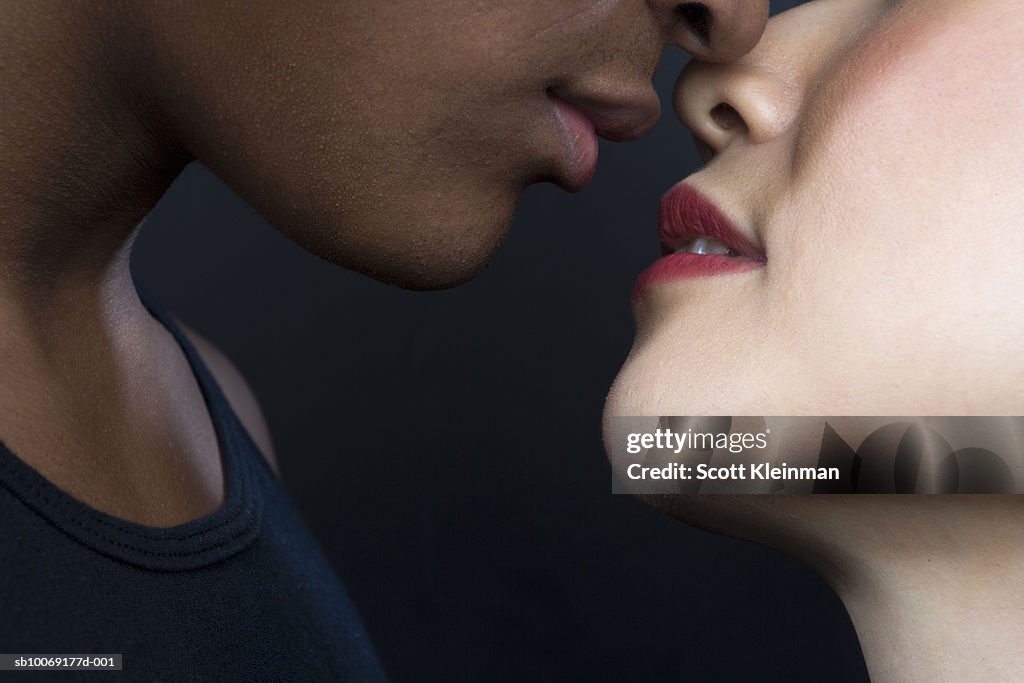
(872, 154)
(395, 138)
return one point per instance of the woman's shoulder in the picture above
(236, 389)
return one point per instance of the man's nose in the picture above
(713, 30)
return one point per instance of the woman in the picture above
(857, 253)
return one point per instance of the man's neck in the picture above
(84, 161)
(86, 155)
(93, 392)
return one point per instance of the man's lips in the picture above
(585, 117)
(580, 145)
(697, 240)
(622, 116)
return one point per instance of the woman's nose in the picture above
(713, 30)
(745, 100)
(759, 96)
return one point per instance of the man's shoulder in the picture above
(237, 391)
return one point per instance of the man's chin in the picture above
(425, 271)
(426, 279)
(406, 252)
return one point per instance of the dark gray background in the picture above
(445, 447)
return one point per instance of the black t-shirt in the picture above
(244, 593)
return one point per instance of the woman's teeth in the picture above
(706, 245)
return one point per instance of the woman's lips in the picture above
(685, 217)
(681, 266)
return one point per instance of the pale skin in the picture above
(390, 138)
(868, 147)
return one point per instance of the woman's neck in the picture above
(947, 622)
(943, 600)
(934, 584)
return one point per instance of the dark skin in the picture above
(390, 138)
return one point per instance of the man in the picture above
(390, 138)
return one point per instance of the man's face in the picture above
(395, 138)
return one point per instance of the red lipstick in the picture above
(691, 222)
